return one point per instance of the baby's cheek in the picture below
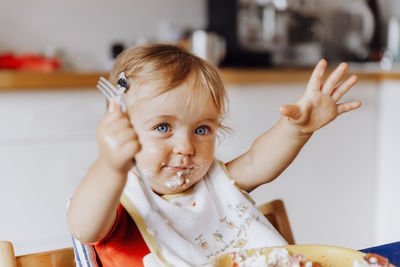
(152, 154)
(207, 150)
(150, 159)
(152, 150)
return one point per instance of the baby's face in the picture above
(177, 142)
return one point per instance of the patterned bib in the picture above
(189, 229)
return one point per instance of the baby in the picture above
(197, 206)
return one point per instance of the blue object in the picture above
(390, 251)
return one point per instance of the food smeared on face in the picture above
(180, 180)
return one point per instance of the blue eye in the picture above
(163, 128)
(202, 130)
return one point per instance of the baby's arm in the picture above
(274, 150)
(93, 206)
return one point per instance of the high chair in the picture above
(53, 258)
(275, 212)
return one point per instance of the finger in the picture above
(130, 149)
(120, 125)
(126, 136)
(114, 106)
(316, 77)
(117, 141)
(334, 78)
(348, 106)
(110, 117)
(116, 134)
(114, 122)
(114, 112)
(344, 88)
(291, 111)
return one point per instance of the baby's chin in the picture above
(174, 185)
(166, 191)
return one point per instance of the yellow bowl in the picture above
(325, 255)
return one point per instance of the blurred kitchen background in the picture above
(264, 33)
(342, 189)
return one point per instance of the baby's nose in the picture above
(184, 146)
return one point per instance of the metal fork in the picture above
(111, 93)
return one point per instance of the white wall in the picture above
(83, 30)
(46, 145)
(388, 169)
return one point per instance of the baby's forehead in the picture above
(150, 89)
(180, 99)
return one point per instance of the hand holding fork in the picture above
(118, 142)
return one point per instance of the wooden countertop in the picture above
(260, 76)
(16, 80)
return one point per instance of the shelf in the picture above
(16, 80)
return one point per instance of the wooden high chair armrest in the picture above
(7, 256)
(276, 214)
(54, 258)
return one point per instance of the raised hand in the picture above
(117, 140)
(319, 104)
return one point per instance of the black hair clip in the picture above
(123, 82)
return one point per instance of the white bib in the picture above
(191, 228)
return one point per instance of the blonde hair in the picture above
(171, 65)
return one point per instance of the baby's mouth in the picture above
(181, 179)
(178, 168)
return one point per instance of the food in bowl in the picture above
(372, 260)
(280, 257)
